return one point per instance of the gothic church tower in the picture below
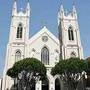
(44, 45)
(18, 39)
(69, 34)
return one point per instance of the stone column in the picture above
(38, 85)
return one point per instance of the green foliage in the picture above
(88, 62)
(69, 66)
(70, 70)
(29, 65)
(11, 73)
(88, 72)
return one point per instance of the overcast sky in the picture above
(44, 12)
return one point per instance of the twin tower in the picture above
(68, 28)
(44, 45)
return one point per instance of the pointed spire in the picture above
(15, 4)
(28, 8)
(14, 11)
(74, 11)
(74, 8)
(28, 5)
(61, 11)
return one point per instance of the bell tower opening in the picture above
(19, 30)
(70, 33)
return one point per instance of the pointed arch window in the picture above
(19, 30)
(45, 56)
(70, 33)
(17, 55)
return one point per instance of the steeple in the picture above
(28, 8)
(69, 35)
(61, 11)
(14, 11)
(74, 11)
(61, 8)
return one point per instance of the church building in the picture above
(44, 46)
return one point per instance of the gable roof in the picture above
(42, 31)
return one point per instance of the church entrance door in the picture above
(57, 84)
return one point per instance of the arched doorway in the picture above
(57, 84)
(45, 84)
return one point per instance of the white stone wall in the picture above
(51, 44)
(22, 18)
(68, 46)
(32, 47)
(0, 83)
(37, 44)
(16, 43)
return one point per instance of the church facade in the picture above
(44, 45)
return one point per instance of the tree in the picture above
(27, 72)
(70, 71)
(88, 62)
(88, 72)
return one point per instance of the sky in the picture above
(44, 12)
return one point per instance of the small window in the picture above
(73, 55)
(70, 33)
(17, 55)
(19, 30)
